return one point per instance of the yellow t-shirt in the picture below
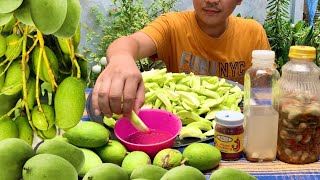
(184, 47)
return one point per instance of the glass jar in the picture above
(299, 120)
(261, 107)
(228, 137)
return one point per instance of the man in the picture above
(207, 41)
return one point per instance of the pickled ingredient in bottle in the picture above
(261, 107)
(299, 122)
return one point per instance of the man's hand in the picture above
(119, 88)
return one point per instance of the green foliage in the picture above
(282, 33)
(127, 17)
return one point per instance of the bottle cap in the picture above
(229, 118)
(263, 54)
(302, 52)
(263, 57)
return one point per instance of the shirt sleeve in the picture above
(263, 41)
(160, 32)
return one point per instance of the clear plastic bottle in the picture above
(261, 107)
(299, 121)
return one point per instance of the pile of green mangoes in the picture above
(194, 99)
(42, 78)
(86, 151)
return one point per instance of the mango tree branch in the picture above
(37, 80)
(73, 57)
(41, 40)
(24, 78)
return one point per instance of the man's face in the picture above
(213, 12)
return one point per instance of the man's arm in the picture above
(138, 45)
(119, 88)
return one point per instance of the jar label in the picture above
(228, 143)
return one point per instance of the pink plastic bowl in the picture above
(164, 127)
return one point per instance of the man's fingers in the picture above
(129, 96)
(103, 97)
(139, 97)
(95, 98)
(115, 95)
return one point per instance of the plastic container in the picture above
(261, 107)
(299, 123)
(228, 136)
(164, 126)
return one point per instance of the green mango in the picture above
(3, 45)
(24, 129)
(53, 61)
(69, 102)
(43, 120)
(31, 92)
(48, 15)
(202, 156)
(135, 159)
(49, 134)
(13, 154)
(88, 135)
(23, 13)
(71, 22)
(14, 46)
(106, 171)
(168, 158)
(83, 68)
(9, 6)
(8, 129)
(148, 171)
(65, 150)
(77, 37)
(48, 167)
(2, 77)
(10, 103)
(112, 152)
(8, 27)
(231, 174)
(63, 43)
(91, 160)
(5, 18)
(181, 172)
(13, 81)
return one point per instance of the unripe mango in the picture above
(3, 45)
(148, 171)
(183, 172)
(65, 150)
(13, 154)
(53, 61)
(113, 152)
(71, 22)
(31, 91)
(202, 156)
(10, 103)
(88, 135)
(8, 129)
(14, 46)
(43, 120)
(106, 171)
(69, 102)
(24, 128)
(49, 134)
(2, 77)
(231, 174)
(13, 81)
(49, 167)
(134, 160)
